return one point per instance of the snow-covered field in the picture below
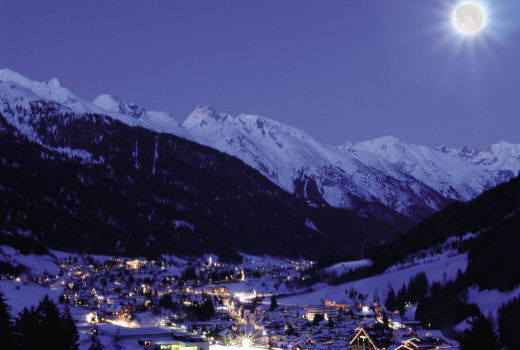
(437, 268)
(345, 267)
(25, 294)
(39, 264)
(489, 301)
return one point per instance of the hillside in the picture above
(87, 182)
(492, 216)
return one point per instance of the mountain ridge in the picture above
(413, 180)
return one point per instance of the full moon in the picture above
(469, 17)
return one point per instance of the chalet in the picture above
(362, 312)
(416, 343)
(410, 344)
(431, 335)
(433, 339)
(375, 338)
(108, 309)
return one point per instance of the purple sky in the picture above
(340, 70)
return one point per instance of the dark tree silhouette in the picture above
(45, 328)
(71, 335)
(509, 324)
(6, 326)
(391, 301)
(274, 304)
(481, 335)
(95, 344)
(401, 299)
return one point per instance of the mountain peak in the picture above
(8, 75)
(54, 82)
(504, 146)
(386, 140)
(463, 152)
(346, 146)
(116, 105)
(107, 102)
(502, 152)
(50, 90)
(133, 114)
(380, 143)
(203, 114)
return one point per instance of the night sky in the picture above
(340, 70)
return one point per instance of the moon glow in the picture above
(468, 18)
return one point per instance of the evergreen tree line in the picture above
(494, 261)
(43, 327)
(480, 335)
(444, 305)
(413, 293)
(509, 324)
(204, 311)
(455, 220)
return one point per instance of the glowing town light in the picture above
(246, 343)
(92, 318)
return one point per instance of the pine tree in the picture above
(206, 310)
(401, 300)
(45, 328)
(417, 287)
(481, 335)
(25, 330)
(391, 301)
(421, 286)
(6, 327)
(50, 325)
(274, 304)
(317, 319)
(509, 324)
(70, 331)
(331, 323)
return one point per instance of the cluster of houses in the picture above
(378, 337)
(120, 291)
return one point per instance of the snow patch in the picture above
(443, 267)
(347, 266)
(181, 223)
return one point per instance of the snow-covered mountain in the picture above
(153, 120)
(303, 165)
(405, 177)
(88, 182)
(501, 156)
(368, 177)
(456, 174)
(17, 90)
